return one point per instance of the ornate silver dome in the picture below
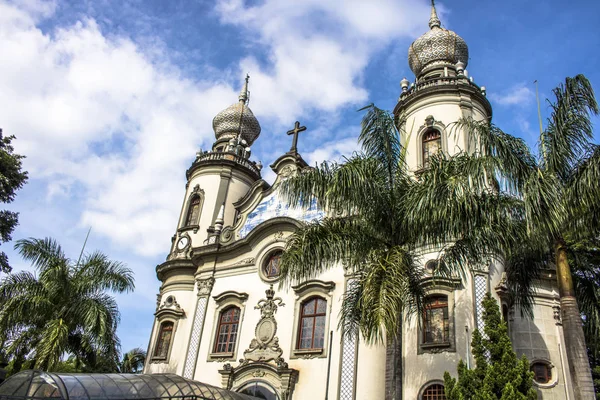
(439, 46)
(237, 119)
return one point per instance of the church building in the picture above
(221, 319)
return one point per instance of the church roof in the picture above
(438, 46)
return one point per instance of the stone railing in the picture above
(438, 82)
(226, 156)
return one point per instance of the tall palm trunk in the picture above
(579, 366)
(393, 366)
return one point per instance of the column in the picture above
(204, 289)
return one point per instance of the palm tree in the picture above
(381, 215)
(561, 198)
(133, 361)
(62, 309)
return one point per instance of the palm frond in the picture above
(52, 345)
(387, 288)
(42, 253)
(321, 245)
(508, 157)
(380, 140)
(569, 130)
(97, 271)
(544, 208)
(583, 189)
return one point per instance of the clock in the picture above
(183, 242)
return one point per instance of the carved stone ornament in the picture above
(265, 345)
(170, 307)
(502, 286)
(288, 171)
(205, 286)
(557, 313)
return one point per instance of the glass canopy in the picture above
(34, 384)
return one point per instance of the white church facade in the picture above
(222, 320)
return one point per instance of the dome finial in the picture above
(433, 19)
(244, 93)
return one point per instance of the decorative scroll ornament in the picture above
(170, 307)
(265, 345)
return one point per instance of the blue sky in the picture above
(110, 100)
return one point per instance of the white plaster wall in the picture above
(186, 299)
(541, 338)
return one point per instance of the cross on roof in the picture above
(297, 129)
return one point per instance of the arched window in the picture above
(541, 372)
(259, 390)
(311, 333)
(271, 268)
(193, 211)
(432, 144)
(163, 340)
(434, 392)
(227, 331)
(436, 327)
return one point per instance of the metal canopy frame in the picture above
(38, 385)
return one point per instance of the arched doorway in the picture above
(259, 389)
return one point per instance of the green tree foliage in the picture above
(133, 361)
(384, 216)
(12, 178)
(498, 374)
(63, 309)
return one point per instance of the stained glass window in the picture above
(312, 324)
(432, 144)
(164, 340)
(227, 330)
(436, 327)
(193, 212)
(272, 268)
(434, 392)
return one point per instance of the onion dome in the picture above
(439, 46)
(237, 120)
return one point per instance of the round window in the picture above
(271, 267)
(541, 372)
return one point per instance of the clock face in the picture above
(183, 242)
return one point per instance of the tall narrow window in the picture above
(193, 211)
(227, 330)
(432, 144)
(163, 342)
(434, 392)
(271, 268)
(436, 327)
(312, 324)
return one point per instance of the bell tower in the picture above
(219, 177)
(441, 94)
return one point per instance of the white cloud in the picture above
(517, 95)
(97, 113)
(317, 50)
(333, 151)
(107, 124)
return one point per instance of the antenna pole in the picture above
(84, 243)
(537, 97)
